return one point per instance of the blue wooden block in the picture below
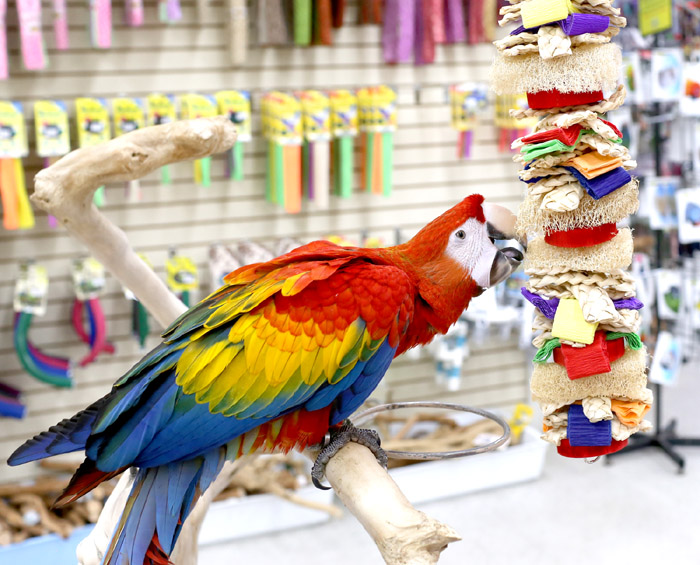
(582, 432)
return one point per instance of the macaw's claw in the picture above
(339, 438)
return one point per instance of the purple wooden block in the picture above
(604, 184)
(578, 24)
(574, 24)
(582, 432)
(548, 306)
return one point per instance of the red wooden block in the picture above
(582, 237)
(589, 451)
(586, 361)
(554, 99)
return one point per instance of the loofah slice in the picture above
(534, 220)
(604, 258)
(588, 68)
(627, 379)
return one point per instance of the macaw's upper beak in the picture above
(500, 223)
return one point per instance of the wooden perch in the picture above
(65, 190)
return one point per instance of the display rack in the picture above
(665, 436)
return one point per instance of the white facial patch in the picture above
(474, 251)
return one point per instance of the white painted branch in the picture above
(403, 534)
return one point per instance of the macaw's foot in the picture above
(340, 436)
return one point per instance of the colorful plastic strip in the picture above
(31, 38)
(60, 24)
(97, 336)
(4, 68)
(139, 323)
(34, 366)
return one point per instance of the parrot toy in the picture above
(274, 360)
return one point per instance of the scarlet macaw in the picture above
(283, 352)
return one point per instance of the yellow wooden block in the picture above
(540, 12)
(569, 323)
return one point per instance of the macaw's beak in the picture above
(505, 262)
(500, 223)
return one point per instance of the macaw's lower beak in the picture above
(504, 263)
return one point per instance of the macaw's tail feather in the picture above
(86, 478)
(65, 437)
(160, 501)
(155, 554)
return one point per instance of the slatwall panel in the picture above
(192, 56)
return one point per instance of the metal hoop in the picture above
(431, 456)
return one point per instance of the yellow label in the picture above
(282, 118)
(236, 105)
(181, 273)
(316, 109)
(51, 127)
(92, 118)
(13, 134)
(655, 16)
(198, 106)
(343, 113)
(377, 108)
(127, 114)
(160, 109)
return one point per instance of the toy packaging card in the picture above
(13, 134)
(467, 101)
(160, 109)
(236, 105)
(31, 289)
(88, 278)
(92, 118)
(377, 108)
(344, 115)
(316, 108)
(181, 274)
(282, 118)
(198, 106)
(127, 114)
(52, 130)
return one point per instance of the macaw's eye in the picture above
(461, 234)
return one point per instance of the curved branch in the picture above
(66, 188)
